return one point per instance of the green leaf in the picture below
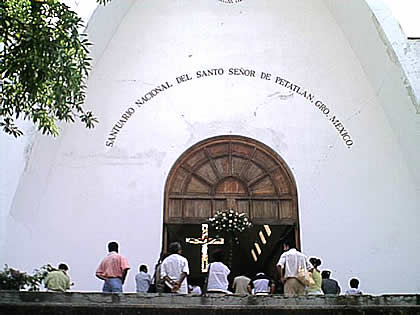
(44, 65)
(103, 2)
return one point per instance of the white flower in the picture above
(230, 221)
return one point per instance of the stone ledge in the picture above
(77, 303)
(93, 299)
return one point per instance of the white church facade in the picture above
(303, 114)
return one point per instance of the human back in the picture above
(315, 288)
(329, 286)
(218, 273)
(293, 261)
(240, 284)
(112, 266)
(290, 266)
(113, 269)
(261, 284)
(174, 270)
(58, 280)
(173, 265)
(143, 279)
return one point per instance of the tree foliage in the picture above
(44, 64)
(13, 279)
(103, 2)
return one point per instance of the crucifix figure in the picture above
(205, 241)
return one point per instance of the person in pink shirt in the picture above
(113, 269)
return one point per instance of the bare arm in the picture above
(178, 283)
(124, 275)
(280, 270)
(249, 289)
(99, 276)
(272, 288)
(182, 277)
(68, 282)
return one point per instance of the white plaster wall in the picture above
(358, 206)
(402, 48)
(14, 155)
(391, 64)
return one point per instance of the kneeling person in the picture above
(143, 280)
(58, 280)
(261, 285)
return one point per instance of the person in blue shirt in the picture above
(143, 279)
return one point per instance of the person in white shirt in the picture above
(288, 266)
(261, 285)
(143, 280)
(354, 288)
(174, 270)
(218, 273)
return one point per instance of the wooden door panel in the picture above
(265, 160)
(281, 181)
(194, 158)
(175, 208)
(178, 181)
(242, 149)
(218, 149)
(197, 209)
(196, 186)
(263, 187)
(206, 171)
(230, 171)
(222, 165)
(231, 186)
(265, 209)
(237, 165)
(219, 205)
(243, 207)
(252, 172)
(286, 209)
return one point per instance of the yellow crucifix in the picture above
(205, 241)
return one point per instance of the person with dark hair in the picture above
(143, 279)
(217, 274)
(290, 264)
(58, 280)
(315, 288)
(261, 285)
(158, 284)
(113, 269)
(174, 270)
(354, 287)
(329, 286)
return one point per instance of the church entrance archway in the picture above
(232, 172)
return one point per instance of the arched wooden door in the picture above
(230, 172)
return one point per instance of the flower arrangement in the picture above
(230, 221)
